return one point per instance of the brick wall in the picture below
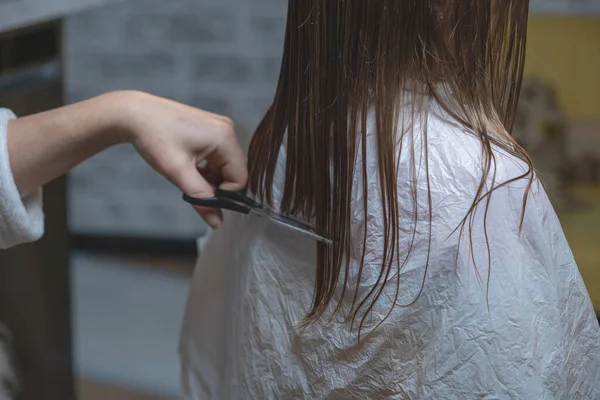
(220, 55)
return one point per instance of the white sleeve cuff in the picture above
(21, 219)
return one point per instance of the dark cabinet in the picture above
(34, 278)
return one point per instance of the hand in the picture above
(174, 139)
(171, 137)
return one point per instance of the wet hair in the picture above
(346, 59)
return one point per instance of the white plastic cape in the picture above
(532, 334)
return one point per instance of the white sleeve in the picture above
(21, 219)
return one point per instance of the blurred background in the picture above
(95, 307)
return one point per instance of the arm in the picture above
(44, 146)
(171, 137)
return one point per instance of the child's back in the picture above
(531, 334)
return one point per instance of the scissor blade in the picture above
(292, 225)
(298, 227)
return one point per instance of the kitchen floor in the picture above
(127, 313)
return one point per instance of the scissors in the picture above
(238, 202)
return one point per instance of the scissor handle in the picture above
(237, 196)
(225, 200)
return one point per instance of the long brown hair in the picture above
(345, 58)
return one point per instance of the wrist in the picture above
(118, 115)
(125, 109)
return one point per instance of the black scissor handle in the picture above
(225, 200)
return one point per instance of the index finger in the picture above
(230, 161)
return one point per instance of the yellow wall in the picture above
(566, 52)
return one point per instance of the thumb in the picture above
(191, 182)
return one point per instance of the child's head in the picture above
(473, 45)
(344, 59)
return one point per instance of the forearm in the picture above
(171, 137)
(46, 145)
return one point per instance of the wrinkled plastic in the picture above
(527, 332)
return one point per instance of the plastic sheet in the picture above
(527, 332)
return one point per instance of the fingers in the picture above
(189, 180)
(212, 216)
(211, 174)
(230, 161)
